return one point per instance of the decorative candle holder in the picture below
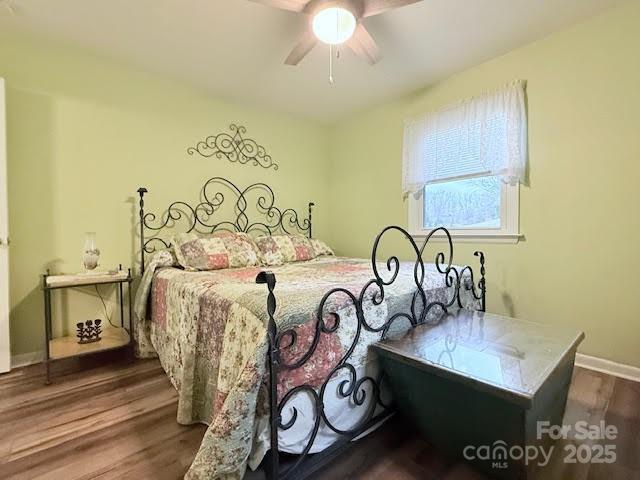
(89, 331)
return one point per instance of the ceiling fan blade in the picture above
(363, 45)
(291, 5)
(304, 46)
(375, 7)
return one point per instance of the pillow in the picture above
(321, 248)
(242, 250)
(280, 249)
(214, 251)
(195, 252)
(303, 248)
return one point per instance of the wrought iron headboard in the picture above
(201, 217)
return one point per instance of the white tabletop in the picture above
(70, 280)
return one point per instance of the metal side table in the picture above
(112, 338)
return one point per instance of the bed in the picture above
(287, 365)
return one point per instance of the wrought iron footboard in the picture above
(354, 389)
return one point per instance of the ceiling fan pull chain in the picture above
(331, 64)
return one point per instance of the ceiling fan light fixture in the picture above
(334, 25)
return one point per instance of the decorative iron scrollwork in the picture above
(364, 391)
(205, 216)
(235, 148)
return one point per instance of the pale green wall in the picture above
(84, 133)
(580, 261)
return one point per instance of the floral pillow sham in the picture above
(215, 251)
(241, 247)
(220, 250)
(281, 249)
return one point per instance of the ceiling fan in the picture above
(337, 22)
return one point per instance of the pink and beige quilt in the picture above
(208, 329)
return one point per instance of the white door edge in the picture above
(5, 346)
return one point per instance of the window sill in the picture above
(469, 237)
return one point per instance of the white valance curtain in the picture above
(482, 136)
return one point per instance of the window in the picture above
(477, 208)
(473, 203)
(462, 166)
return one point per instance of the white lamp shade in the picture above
(334, 25)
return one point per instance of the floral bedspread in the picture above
(209, 332)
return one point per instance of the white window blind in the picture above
(483, 136)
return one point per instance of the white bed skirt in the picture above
(342, 412)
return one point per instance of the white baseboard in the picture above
(607, 366)
(24, 359)
(585, 361)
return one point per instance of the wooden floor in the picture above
(117, 420)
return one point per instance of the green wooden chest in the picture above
(477, 384)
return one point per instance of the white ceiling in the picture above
(236, 48)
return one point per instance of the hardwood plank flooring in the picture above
(114, 420)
